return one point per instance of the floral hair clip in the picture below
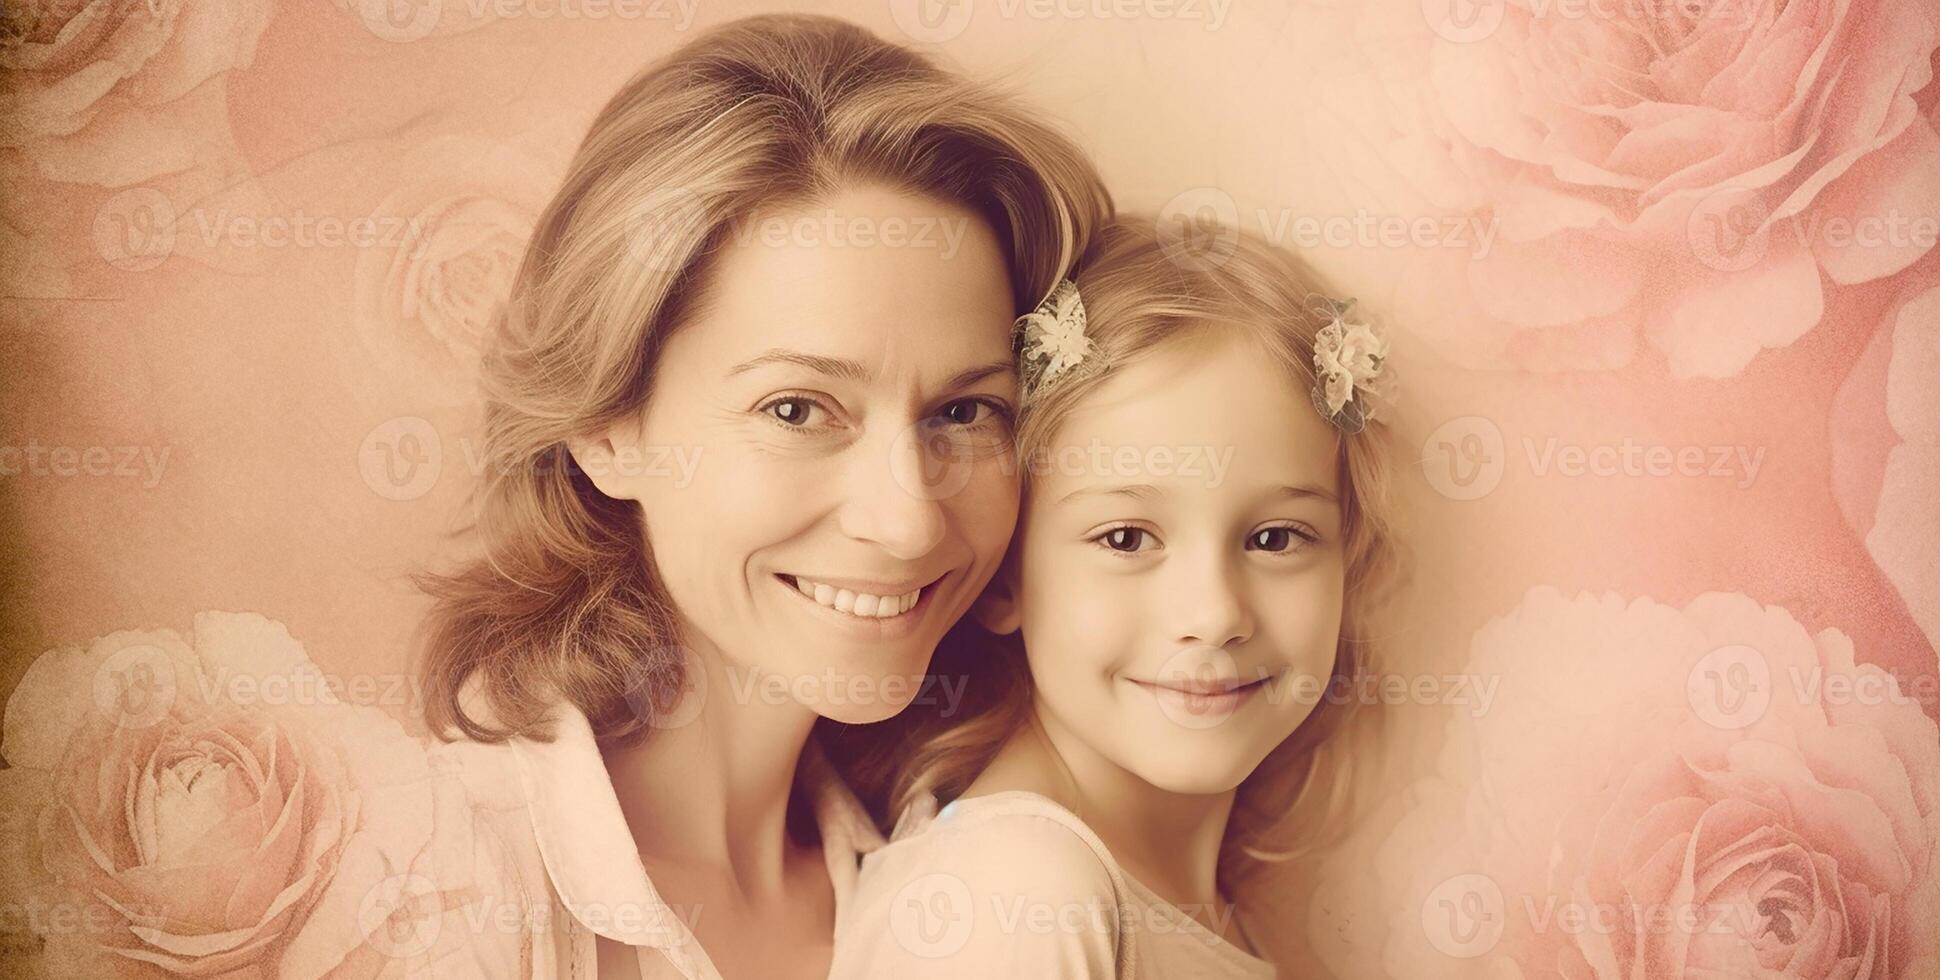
(1348, 355)
(1050, 341)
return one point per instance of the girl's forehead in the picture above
(1196, 417)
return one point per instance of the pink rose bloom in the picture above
(208, 806)
(1886, 450)
(83, 82)
(1656, 792)
(1696, 172)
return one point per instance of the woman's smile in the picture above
(873, 610)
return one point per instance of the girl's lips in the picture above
(1201, 705)
(1204, 689)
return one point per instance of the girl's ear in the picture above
(997, 608)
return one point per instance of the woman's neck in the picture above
(1169, 841)
(711, 788)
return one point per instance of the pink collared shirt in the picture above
(558, 865)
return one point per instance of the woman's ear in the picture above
(997, 608)
(595, 455)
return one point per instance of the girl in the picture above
(755, 366)
(1203, 534)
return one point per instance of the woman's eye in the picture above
(1125, 539)
(1276, 539)
(791, 411)
(969, 411)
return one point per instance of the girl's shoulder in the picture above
(1008, 883)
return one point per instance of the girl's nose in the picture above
(1209, 602)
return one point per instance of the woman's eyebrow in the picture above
(1301, 492)
(851, 370)
(835, 367)
(970, 376)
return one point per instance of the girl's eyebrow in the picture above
(852, 370)
(1142, 491)
(1136, 491)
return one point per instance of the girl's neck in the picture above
(711, 789)
(1169, 841)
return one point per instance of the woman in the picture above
(757, 362)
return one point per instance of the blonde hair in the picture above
(563, 600)
(1142, 293)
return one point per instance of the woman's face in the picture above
(825, 464)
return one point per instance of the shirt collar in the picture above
(590, 854)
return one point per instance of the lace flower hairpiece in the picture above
(1051, 344)
(1348, 355)
(1050, 341)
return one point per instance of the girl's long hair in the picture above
(1143, 290)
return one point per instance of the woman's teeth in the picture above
(860, 604)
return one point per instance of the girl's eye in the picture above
(792, 411)
(1125, 540)
(1277, 539)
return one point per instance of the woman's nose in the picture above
(893, 496)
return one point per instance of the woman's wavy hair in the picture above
(560, 598)
(1143, 290)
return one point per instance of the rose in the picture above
(81, 86)
(208, 805)
(1690, 171)
(455, 231)
(1886, 448)
(1659, 792)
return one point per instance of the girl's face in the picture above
(824, 463)
(1180, 569)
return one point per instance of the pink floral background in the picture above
(1665, 305)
